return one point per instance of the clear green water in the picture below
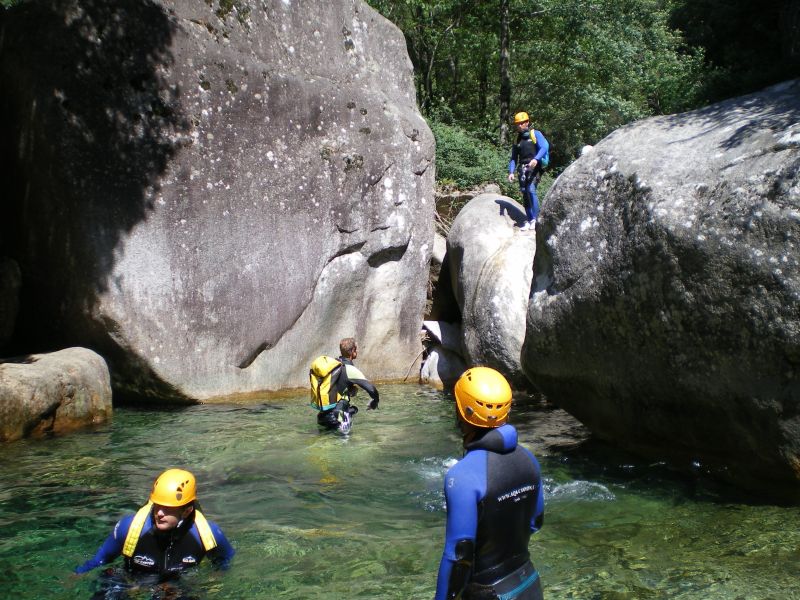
(319, 516)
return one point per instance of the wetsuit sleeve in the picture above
(512, 164)
(111, 548)
(464, 487)
(221, 555)
(542, 143)
(355, 376)
(538, 513)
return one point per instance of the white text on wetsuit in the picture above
(514, 493)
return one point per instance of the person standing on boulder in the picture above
(494, 499)
(529, 155)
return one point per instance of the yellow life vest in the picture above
(135, 530)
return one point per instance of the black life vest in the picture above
(167, 552)
(526, 146)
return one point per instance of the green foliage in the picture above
(581, 68)
(748, 45)
(599, 64)
(464, 161)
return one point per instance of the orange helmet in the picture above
(174, 487)
(483, 397)
(521, 117)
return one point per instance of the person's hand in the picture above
(373, 405)
(511, 177)
(533, 163)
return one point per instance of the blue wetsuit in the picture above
(494, 503)
(161, 552)
(524, 151)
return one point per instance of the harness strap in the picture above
(520, 588)
(135, 530)
(322, 408)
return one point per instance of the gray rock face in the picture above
(53, 393)
(443, 364)
(216, 196)
(665, 314)
(441, 368)
(490, 263)
(9, 298)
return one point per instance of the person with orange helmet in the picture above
(166, 535)
(529, 155)
(494, 499)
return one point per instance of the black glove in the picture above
(373, 405)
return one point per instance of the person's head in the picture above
(522, 121)
(348, 348)
(173, 496)
(483, 399)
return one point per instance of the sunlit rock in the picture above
(211, 194)
(43, 394)
(490, 262)
(666, 311)
(443, 363)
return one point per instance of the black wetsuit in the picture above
(340, 415)
(158, 557)
(160, 552)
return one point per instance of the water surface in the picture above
(322, 516)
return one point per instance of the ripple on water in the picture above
(588, 491)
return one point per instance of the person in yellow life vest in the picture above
(338, 416)
(166, 535)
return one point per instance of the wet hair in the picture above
(347, 347)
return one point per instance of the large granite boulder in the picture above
(490, 262)
(43, 394)
(212, 193)
(666, 313)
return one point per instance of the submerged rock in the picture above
(51, 393)
(666, 312)
(213, 195)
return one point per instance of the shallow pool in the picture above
(322, 516)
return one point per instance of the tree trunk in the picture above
(483, 87)
(505, 81)
(454, 81)
(425, 60)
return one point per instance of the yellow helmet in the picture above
(521, 117)
(483, 397)
(174, 487)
